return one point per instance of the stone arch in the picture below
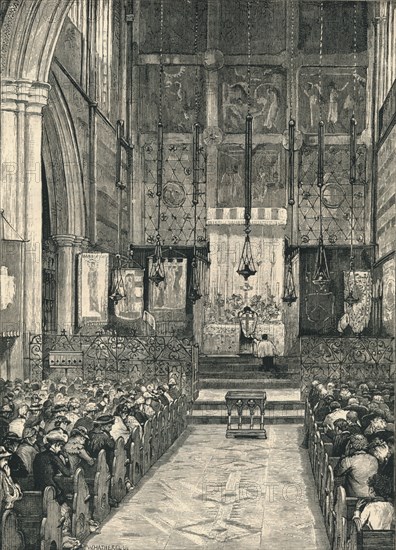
(29, 34)
(60, 124)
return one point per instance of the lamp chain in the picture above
(292, 53)
(321, 59)
(161, 75)
(249, 38)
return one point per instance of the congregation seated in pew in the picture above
(64, 426)
(359, 422)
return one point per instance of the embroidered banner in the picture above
(170, 294)
(359, 313)
(131, 306)
(10, 287)
(93, 288)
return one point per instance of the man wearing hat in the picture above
(100, 438)
(28, 449)
(17, 467)
(47, 467)
(9, 491)
(75, 448)
(34, 417)
(18, 424)
(87, 421)
(48, 464)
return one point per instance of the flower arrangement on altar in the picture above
(225, 310)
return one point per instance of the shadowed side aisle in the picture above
(213, 492)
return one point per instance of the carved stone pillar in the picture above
(20, 197)
(65, 283)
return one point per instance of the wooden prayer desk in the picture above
(250, 400)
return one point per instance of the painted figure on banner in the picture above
(93, 287)
(131, 307)
(171, 293)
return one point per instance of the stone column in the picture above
(65, 283)
(20, 197)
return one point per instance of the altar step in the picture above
(283, 407)
(248, 383)
(245, 370)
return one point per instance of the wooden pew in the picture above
(11, 535)
(81, 509)
(322, 479)
(79, 499)
(117, 483)
(340, 523)
(161, 421)
(362, 539)
(146, 440)
(100, 489)
(329, 504)
(328, 448)
(135, 466)
(155, 440)
(39, 520)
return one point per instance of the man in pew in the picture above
(377, 512)
(377, 428)
(48, 466)
(28, 449)
(89, 414)
(100, 438)
(354, 426)
(16, 464)
(341, 437)
(18, 424)
(75, 449)
(357, 467)
(335, 414)
(9, 490)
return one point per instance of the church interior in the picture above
(197, 274)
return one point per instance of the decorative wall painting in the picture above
(93, 288)
(10, 287)
(337, 96)
(268, 99)
(131, 306)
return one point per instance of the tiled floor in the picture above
(211, 492)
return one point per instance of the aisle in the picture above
(217, 493)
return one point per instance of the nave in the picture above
(207, 491)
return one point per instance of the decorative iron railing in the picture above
(345, 359)
(118, 358)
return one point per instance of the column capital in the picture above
(34, 95)
(82, 243)
(64, 240)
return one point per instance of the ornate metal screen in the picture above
(346, 359)
(336, 197)
(177, 213)
(118, 358)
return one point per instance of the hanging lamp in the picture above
(157, 271)
(246, 267)
(118, 290)
(289, 287)
(194, 291)
(351, 297)
(321, 276)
